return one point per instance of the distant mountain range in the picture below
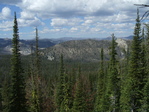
(72, 48)
(25, 45)
(64, 39)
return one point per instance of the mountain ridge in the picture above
(84, 50)
(73, 45)
(25, 45)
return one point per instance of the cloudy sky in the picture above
(69, 18)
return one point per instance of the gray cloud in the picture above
(10, 1)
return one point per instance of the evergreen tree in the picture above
(6, 94)
(35, 74)
(1, 98)
(113, 86)
(18, 100)
(143, 60)
(79, 100)
(100, 95)
(145, 101)
(134, 84)
(135, 72)
(59, 96)
(66, 103)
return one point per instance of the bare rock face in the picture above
(122, 43)
(83, 50)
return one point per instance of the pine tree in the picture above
(125, 87)
(79, 100)
(66, 103)
(18, 100)
(145, 101)
(1, 104)
(134, 80)
(59, 96)
(135, 72)
(35, 74)
(6, 94)
(113, 86)
(100, 95)
(143, 60)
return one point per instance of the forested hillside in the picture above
(109, 83)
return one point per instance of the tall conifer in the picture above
(113, 86)
(66, 104)
(6, 94)
(135, 75)
(59, 96)
(36, 102)
(145, 101)
(100, 94)
(18, 100)
(79, 99)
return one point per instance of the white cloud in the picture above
(27, 15)
(61, 22)
(70, 8)
(6, 13)
(34, 22)
(73, 29)
(76, 16)
(6, 25)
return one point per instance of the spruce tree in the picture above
(113, 86)
(18, 100)
(145, 101)
(6, 94)
(66, 103)
(134, 85)
(35, 74)
(100, 94)
(131, 91)
(143, 63)
(135, 72)
(79, 99)
(59, 96)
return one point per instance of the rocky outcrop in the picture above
(85, 50)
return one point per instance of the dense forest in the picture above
(33, 84)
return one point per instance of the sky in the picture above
(69, 18)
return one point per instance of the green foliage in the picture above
(100, 94)
(59, 96)
(132, 92)
(79, 99)
(17, 97)
(118, 85)
(67, 101)
(6, 95)
(35, 79)
(113, 86)
(145, 100)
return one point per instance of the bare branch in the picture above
(145, 15)
(142, 5)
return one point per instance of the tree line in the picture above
(117, 85)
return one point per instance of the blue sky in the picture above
(69, 18)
